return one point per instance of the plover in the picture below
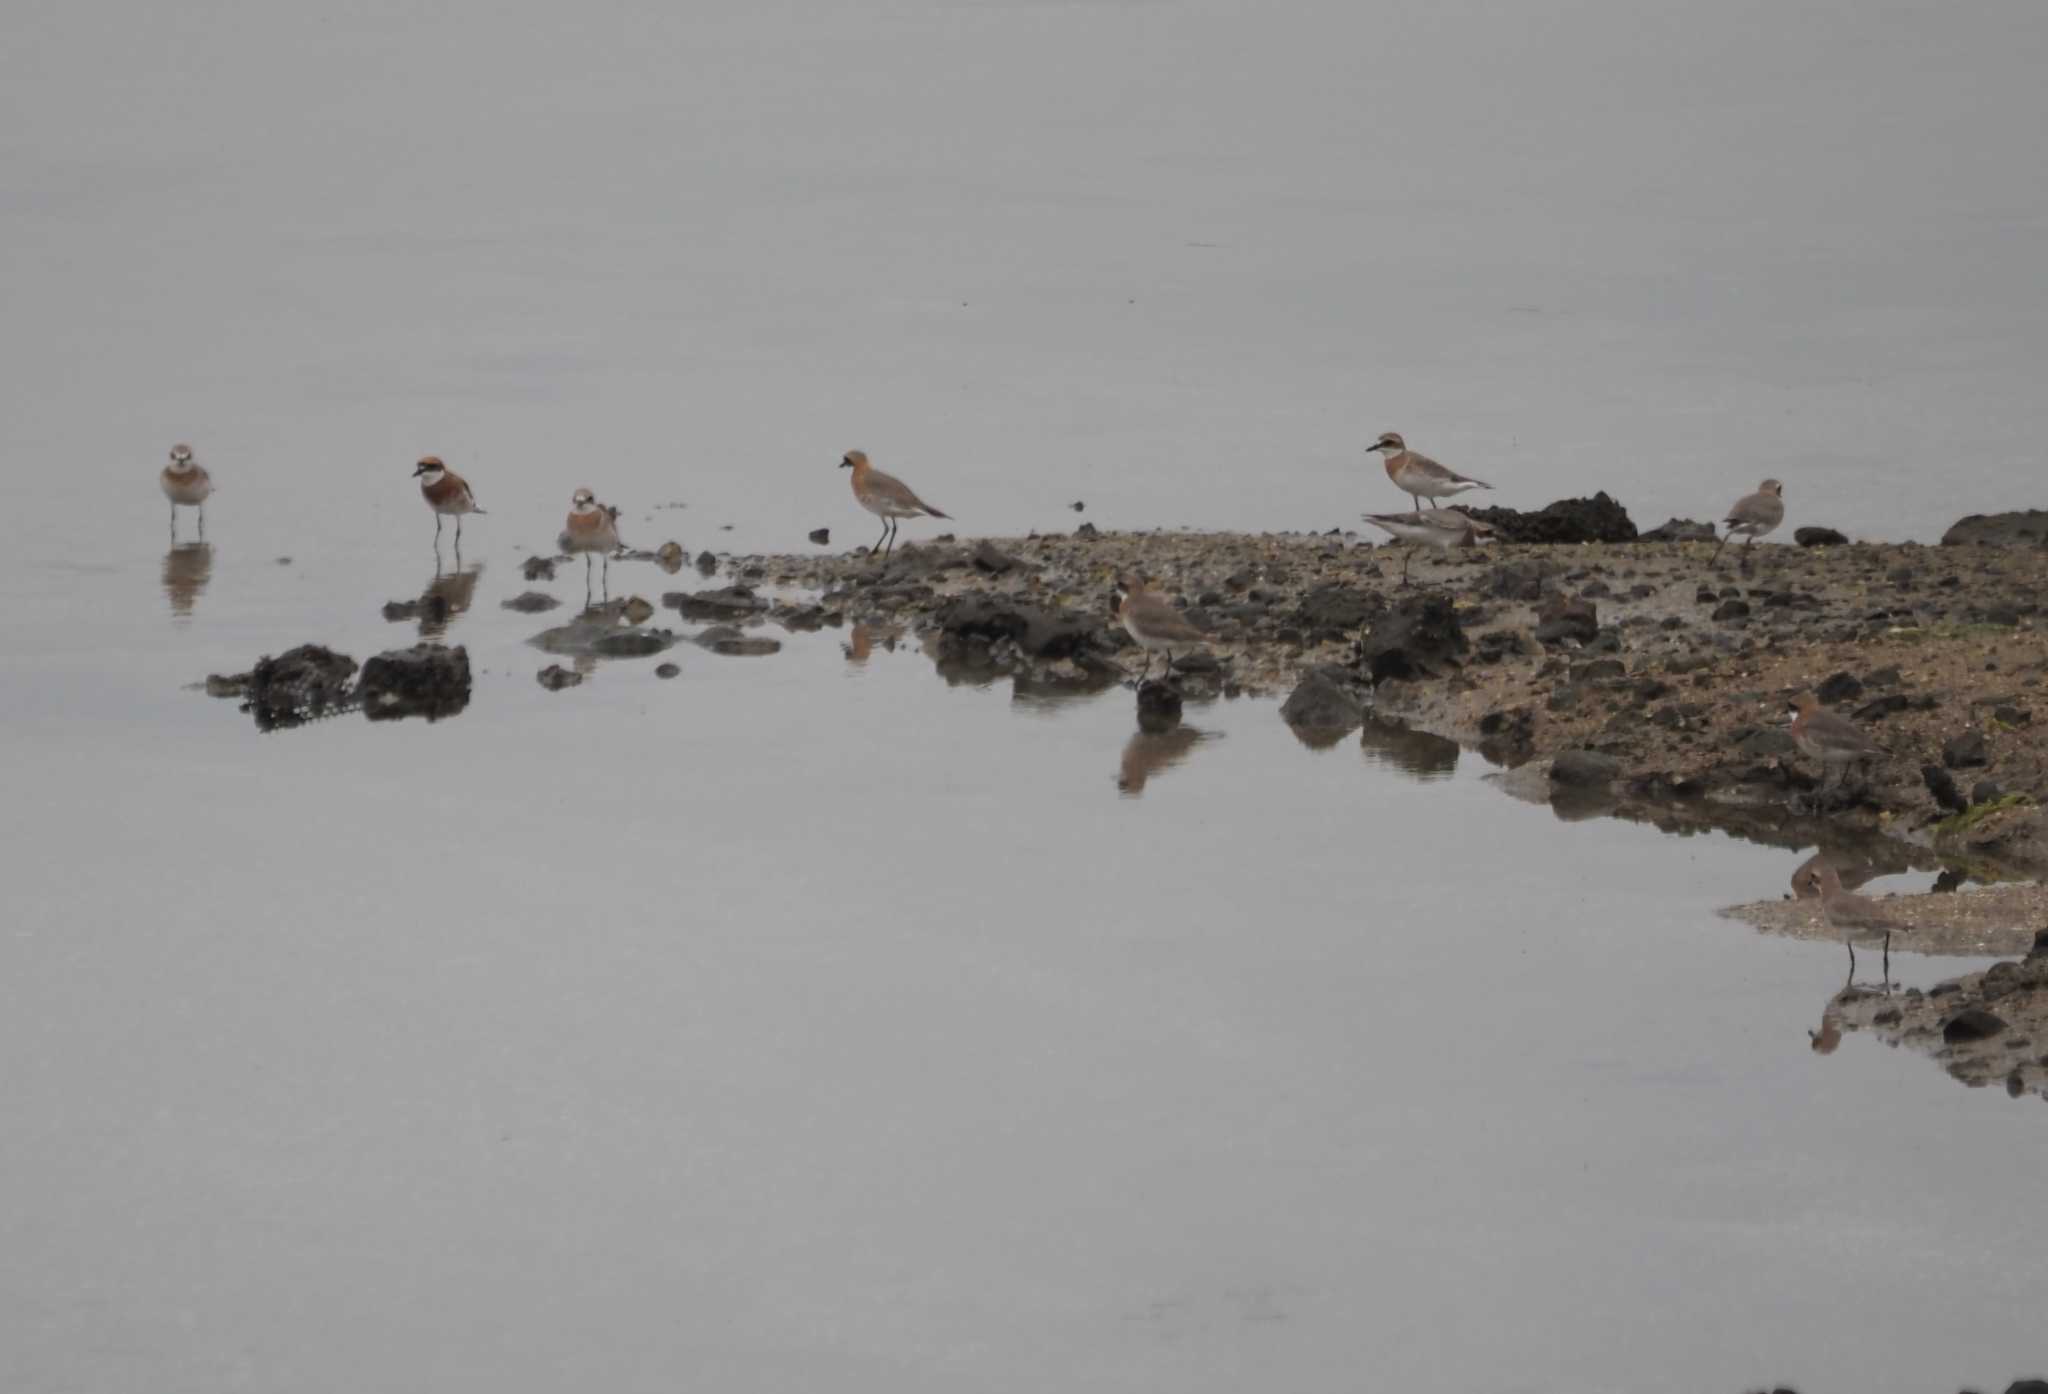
(1418, 476)
(885, 496)
(446, 492)
(185, 481)
(592, 528)
(1438, 528)
(1150, 619)
(1753, 516)
(1835, 741)
(1858, 917)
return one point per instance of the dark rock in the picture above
(1597, 519)
(670, 557)
(1158, 706)
(555, 677)
(2022, 529)
(539, 569)
(1086, 530)
(425, 680)
(1420, 637)
(725, 603)
(1583, 768)
(707, 564)
(226, 685)
(1562, 618)
(989, 560)
(1986, 791)
(1819, 537)
(1336, 610)
(735, 643)
(297, 686)
(1971, 1024)
(2008, 715)
(1732, 610)
(668, 670)
(822, 536)
(982, 618)
(1679, 530)
(1965, 751)
(1887, 705)
(1077, 505)
(1883, 677)
(1942, 785)
(1324, 700)
(1521, 580)
(1598, 670)
(1839, 688)
(1508, 737)
(531, 603)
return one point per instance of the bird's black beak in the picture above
(846, 464)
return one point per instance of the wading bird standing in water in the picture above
(885, 496)
(446, 492)
(1753, 516)
(1149, 617)
(1857, 916)
(1418, 476)
(185, 481)
(592, 528)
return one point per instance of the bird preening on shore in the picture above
(885, 496)
(1437, 528)
(1834, 740)
(1418, 476)
(446, 492)
(1753, 516)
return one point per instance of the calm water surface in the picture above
(807, 1022)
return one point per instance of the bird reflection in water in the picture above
(1412, 752)
(1147, 753)
(188, 566)
(447, 595)
(864, 638)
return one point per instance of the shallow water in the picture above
(810, 1022)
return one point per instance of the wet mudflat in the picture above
(809, 1017)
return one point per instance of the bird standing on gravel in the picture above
(1835, 741)
(1438, 528)
(1418, 476)
(1753, 516)
(885, 496)
(1150, 618)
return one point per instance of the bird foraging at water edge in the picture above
(1858, 917)
(1835, 741)
(1418, 476)
(446, 492)
(1151, 619)
(592, 528)
(1753, 516)
(1438, 528)
(885, 496)
(185, 481)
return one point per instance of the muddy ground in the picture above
(1662, 681)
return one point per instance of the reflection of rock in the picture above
(539, 569)
(725, 603)
(599, 633)
(1147, 753)
(425, 680)
(735, 643)
(531, 603)
(555, 677)
(1324, 706)
(1426, 756)
(187, 568)
(1985, 1028)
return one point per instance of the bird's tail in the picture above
(478, 511)
(934, 513)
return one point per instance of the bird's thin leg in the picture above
(437, 530)
(1416, 500)
(458, 529)
(1852, 957)
(1434, 504)
(202, 522)
(1715, 560)
(1887, 958)
(872, 546)
(1745, 552)
(1406, 561)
